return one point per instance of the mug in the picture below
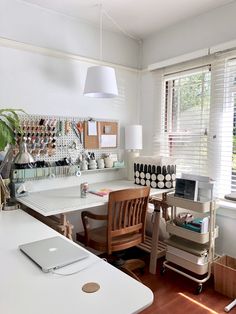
(108, 162)
(101, 163)
(92, 164)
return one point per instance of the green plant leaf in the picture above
(12, 123)
(9, 122)
(7, 135)
(13, 112)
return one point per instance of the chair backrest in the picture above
(126, 218)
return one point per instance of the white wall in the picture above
(203, 31)
(34, 25)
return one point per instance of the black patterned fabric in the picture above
(155, 176)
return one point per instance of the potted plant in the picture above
(9, 126)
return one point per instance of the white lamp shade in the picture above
(133, 137)
(100, 82)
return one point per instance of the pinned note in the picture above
(108, 140)
(92, 128)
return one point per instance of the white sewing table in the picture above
(65, 200)
(25, 289)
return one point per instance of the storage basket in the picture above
(225, 276)
(155, 176)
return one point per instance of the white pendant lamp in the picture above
(100, 80)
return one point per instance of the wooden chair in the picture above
(125, 227)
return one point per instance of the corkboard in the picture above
(91, 141)
(103, 128)
(108, 128)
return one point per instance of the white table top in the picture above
(63, 200)
(25, 289)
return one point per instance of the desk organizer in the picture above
(156, 176)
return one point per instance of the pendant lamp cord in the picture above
(101, 34)
(122, 30)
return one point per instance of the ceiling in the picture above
(136, 17)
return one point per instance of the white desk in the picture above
(64, 200)
(25, 289)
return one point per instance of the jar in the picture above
(84, 165)
(101, 163)
(108, 162)
(92, 164)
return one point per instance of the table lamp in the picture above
(133, 143)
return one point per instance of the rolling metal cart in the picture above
(188, 249)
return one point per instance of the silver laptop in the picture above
(53, 253)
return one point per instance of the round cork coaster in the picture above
(90, 287)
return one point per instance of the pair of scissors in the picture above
(80, 128)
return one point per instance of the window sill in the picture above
(226, 208)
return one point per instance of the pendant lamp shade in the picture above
(100, 82)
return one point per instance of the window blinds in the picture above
(222, 139)
(185, 119)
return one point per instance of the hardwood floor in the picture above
(175, 294)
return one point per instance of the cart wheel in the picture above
(199, 289)
(162, 270)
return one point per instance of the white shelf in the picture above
(55, 171)
(200, 269)
(188, 234)
(101, 170)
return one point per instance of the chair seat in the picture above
(98, 239)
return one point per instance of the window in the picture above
(223, 122)
(229, 127)
(198, 121)
(186, 120)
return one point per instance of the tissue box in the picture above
(154, 173)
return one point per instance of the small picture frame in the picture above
(107, 129)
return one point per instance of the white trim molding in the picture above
(179, 59)
(6, 42)
(223, 47)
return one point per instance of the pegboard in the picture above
(52, 138)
